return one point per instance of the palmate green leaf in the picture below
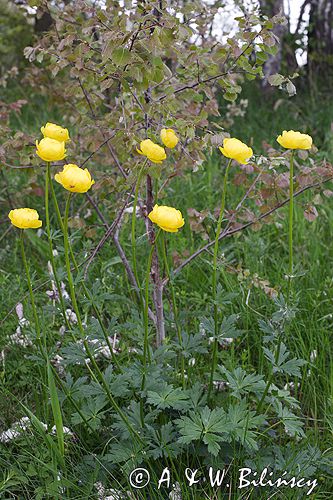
(292, 423)
(205, 425)
(197, 395)
(91, 409)
(168, 397)
(133, 413)
(290, 367)
(228, 328)
(241, 422)
(127, 453)
(241, 383)
(193, 344)
(163, 442)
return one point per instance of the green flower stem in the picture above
(101, 378)
(291, 215)
(40, 345)
(48, 232)
(146, 352)
(86, 291)
(31, 293)
(214, 282)
(42, 348)
(290, 270)
(175, 309)
(133, 239)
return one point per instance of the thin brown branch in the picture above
(110, 229)
(96, 151)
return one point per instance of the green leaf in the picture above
(206, 425)
(292, 423)
(121, 56)
(241, 383)
(290, 367)
(168, 397)
(56, 409)
(276, 80)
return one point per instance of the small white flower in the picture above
(176, 493)
(19, 310)
(191, 362)
(313, 355)
(49, 268)
(62, 330)
(220, 385)
(71, 316)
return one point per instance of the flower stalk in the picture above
(214, 279)
(291, 215)
(100, 376)
(175, 309)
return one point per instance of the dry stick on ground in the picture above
(224, 234)
(229, 232)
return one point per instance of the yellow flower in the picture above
(56, 132)
(75, 179)
(50, 149)
(25, 218)
(294, 140)
(169, 138)
(236, 150)
(167, 218)
(154, 152)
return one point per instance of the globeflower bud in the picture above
(236, 150)
(294, 140)
(169, 138)
(75, 179)
(56, 132)
(50, 149)
(154, 152)
(167, 218)
(25, 218)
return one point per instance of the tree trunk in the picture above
(320, 38)
(272, 8)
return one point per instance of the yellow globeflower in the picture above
(154, 152)
(294, 140)
(236, 150)
(25, 218)
(75, 179)
(56, 132)
(50, 149)
(169, 138)
(167, 218)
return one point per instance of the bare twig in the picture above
(96, 150)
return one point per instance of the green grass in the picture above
(263, 253)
